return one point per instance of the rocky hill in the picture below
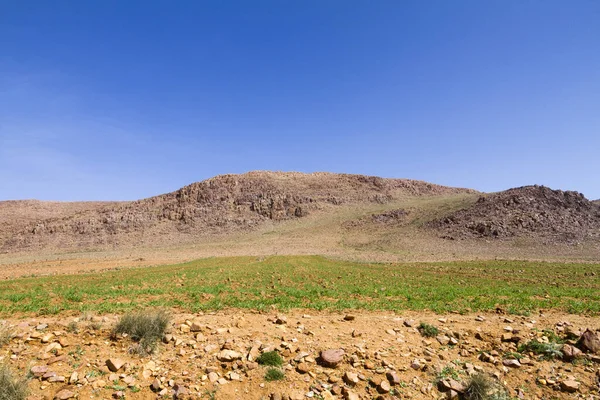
(535, 211)
(220, 205)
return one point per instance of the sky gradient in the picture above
(120, 100)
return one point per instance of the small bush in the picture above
(271, 358)
(274, 374)
(547, 351)
(73, 327)
(11, 386)
(428, 330)
(482, 387)
(145, 327)
(6, 335)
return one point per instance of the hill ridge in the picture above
(218, 205)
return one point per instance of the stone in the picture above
(570, 353)
(303, 368)
(114, 364)
(213, 377)
(118, 394)
(74, 378)
(229, 355)
(332, 357)
(569, 386)
(589, 342)
(443, 339)
(281, 320)
(196, 327)
(64, 395)
(47, 338)
(351, 378)
(383, 387)
(512, 363)
(180, 391)
(54, 360)
(57, 378)
(393, 378)
(39, 370)
(350, 395)
(370, 365)
(409, 323)
(155, 386)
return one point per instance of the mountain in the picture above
(222, 205)
(531, 211)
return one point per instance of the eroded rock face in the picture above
(558, 216)
(218, 205)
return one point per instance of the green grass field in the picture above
(313, 282)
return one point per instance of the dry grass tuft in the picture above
(12, 387)
(144, 327)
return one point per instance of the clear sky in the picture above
(119, 100)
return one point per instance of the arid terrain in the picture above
(213, 355)
(418, 290)
(265, 213)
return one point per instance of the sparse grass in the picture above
(271, 358)
(144, 327)
(447, 372)
(314, 282)
(274, 374)
(12, 387)
(546, 351)
(6, 335)
(428, 330)
(482, 387)
(73, 327)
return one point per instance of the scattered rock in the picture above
(569, 386)
(229, 355)
(39, 370)
(332, 357)
(64, 394)
(589, 342)
(114, 364)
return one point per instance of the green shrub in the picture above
(145, 327)
(274, 374)
(11, 386)
(271, 358)
(547, 351)
(428, 330)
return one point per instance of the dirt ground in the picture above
(376, 346)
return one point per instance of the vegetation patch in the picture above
(271, 358)
(145, 327)
(12, 387)
(546, 351)
(482, 387)
(274, 374)
(313, 282)
(428, 330)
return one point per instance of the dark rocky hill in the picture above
(534, 211)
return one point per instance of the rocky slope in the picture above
(221, 205)
(534, 211)
(325, 355)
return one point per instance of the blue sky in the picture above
(119, 100)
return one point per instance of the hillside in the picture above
(530, 211)
(222, 205)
